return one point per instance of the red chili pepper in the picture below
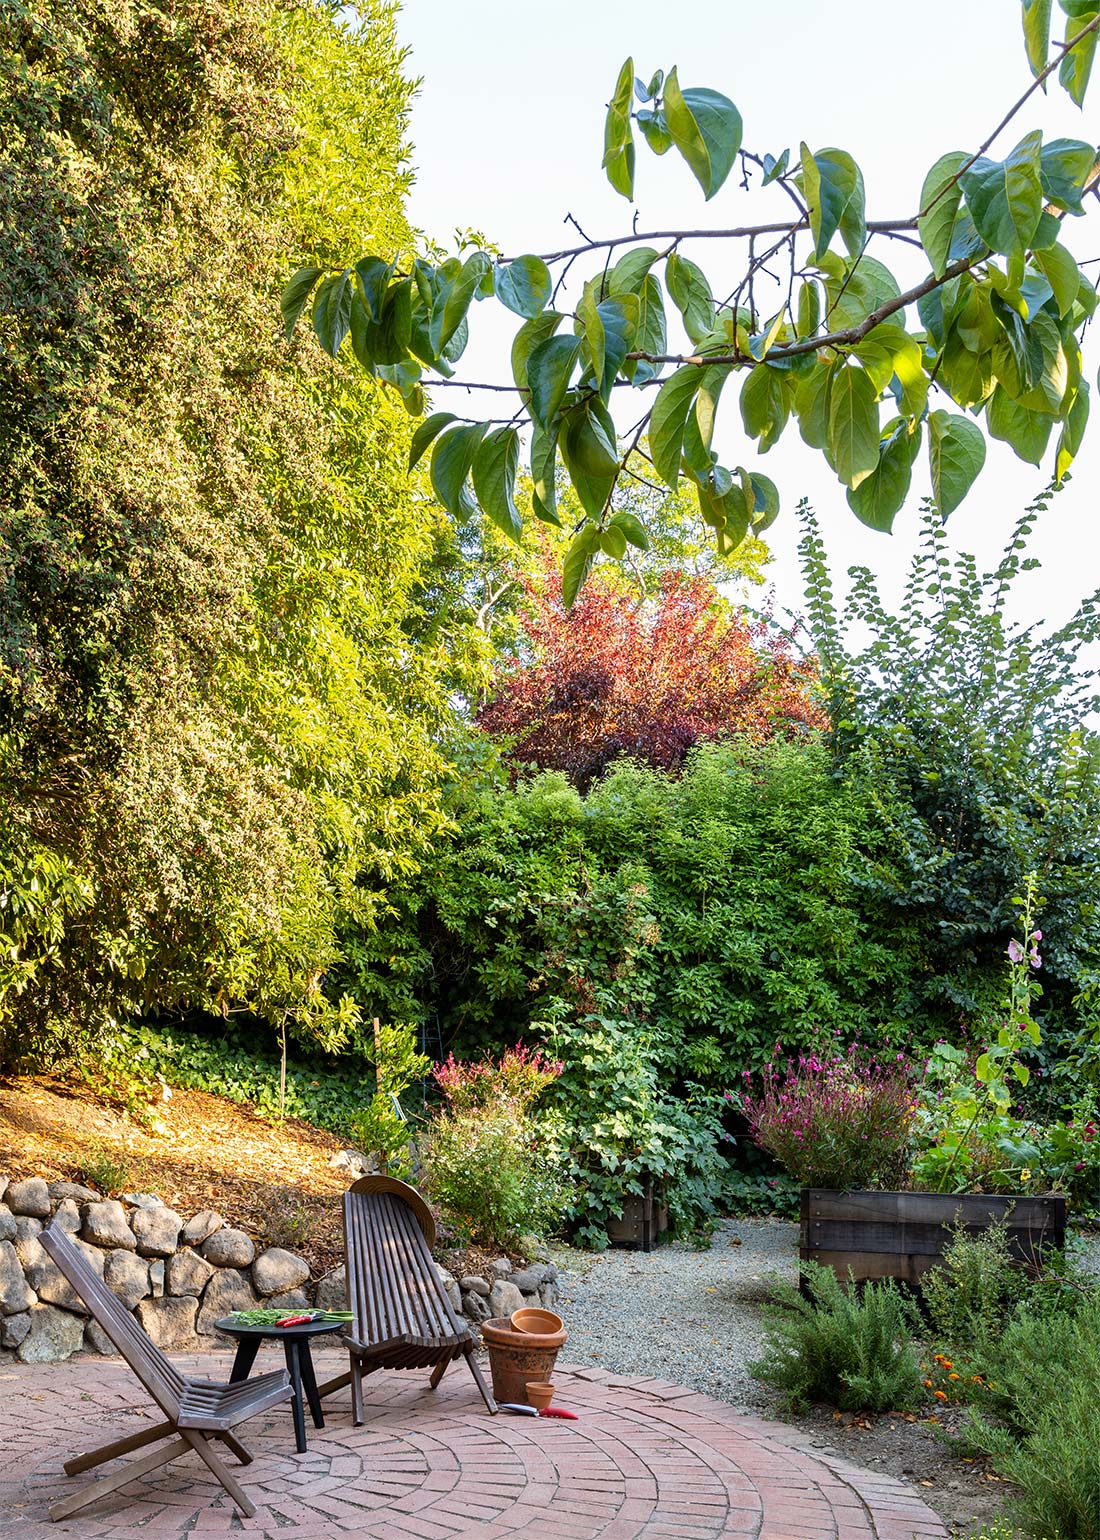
(295, 1320)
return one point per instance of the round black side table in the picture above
(299, 1362)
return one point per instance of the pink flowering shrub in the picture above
(837, 1121)
(487, 1162)
(515, 1081)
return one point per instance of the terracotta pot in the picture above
(538, 1395)
(519, 1357)
(536, 1323)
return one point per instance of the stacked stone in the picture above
(178, 1277)
(508, 1289)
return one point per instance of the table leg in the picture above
(309, 1381)
(244, 1358)
(293, 1363)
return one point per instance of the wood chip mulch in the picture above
(273, 1180)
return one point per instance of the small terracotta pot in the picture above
(538, 1395)
(518, 1357)
(536, 1323)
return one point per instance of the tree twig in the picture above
(1066, 48)
(845, 338)
(738, 232)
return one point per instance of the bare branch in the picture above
(738, 233)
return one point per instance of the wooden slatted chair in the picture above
(196, 1410)
(401, 1316)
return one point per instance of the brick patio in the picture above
(646, 1461)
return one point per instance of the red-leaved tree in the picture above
(650, 679)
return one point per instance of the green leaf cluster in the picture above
(871, 375)
(851, 1348)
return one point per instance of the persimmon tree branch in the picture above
(734, 233)
(995, 326)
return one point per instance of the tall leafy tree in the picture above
(219, 715)
(873, 372)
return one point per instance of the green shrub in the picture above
(846, 1346)
(1046, 1392)
(109, 1171)
(491, 1176)
(972, 734)
(620, 1131)
(221, 709)
(968, 1295)
(657, 935)
(728, 906)
(380, 1127)
(487, 1161)
(760, 1192)
(229, 1062)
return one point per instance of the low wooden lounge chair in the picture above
(198, 1411)
(401, 1316)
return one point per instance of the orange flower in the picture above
(928, 1384)
(952, 1376)
(941, 1395)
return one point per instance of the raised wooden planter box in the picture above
(901, 1235)
(643, 1220)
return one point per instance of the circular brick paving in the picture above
(646, 1460)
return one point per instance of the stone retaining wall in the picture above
(178, 1276)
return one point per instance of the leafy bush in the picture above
(328, 1093)
(620, 1132)
(221, 705)
(846, 1346)
(109, 1171)
(486, 1161)
(755, 1192)
(966, 729)
(657, 936)
(968, 1295)
(381, 1127)
(841, 1120)
(493, 1177)
(1046, 1374)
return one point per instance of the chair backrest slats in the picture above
(420, 1269)
(147, 1361)
(393, 1288)
(361, 1279)
(398, 1316)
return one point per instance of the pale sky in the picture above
(508, 136)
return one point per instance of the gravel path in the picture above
(678, 1313)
